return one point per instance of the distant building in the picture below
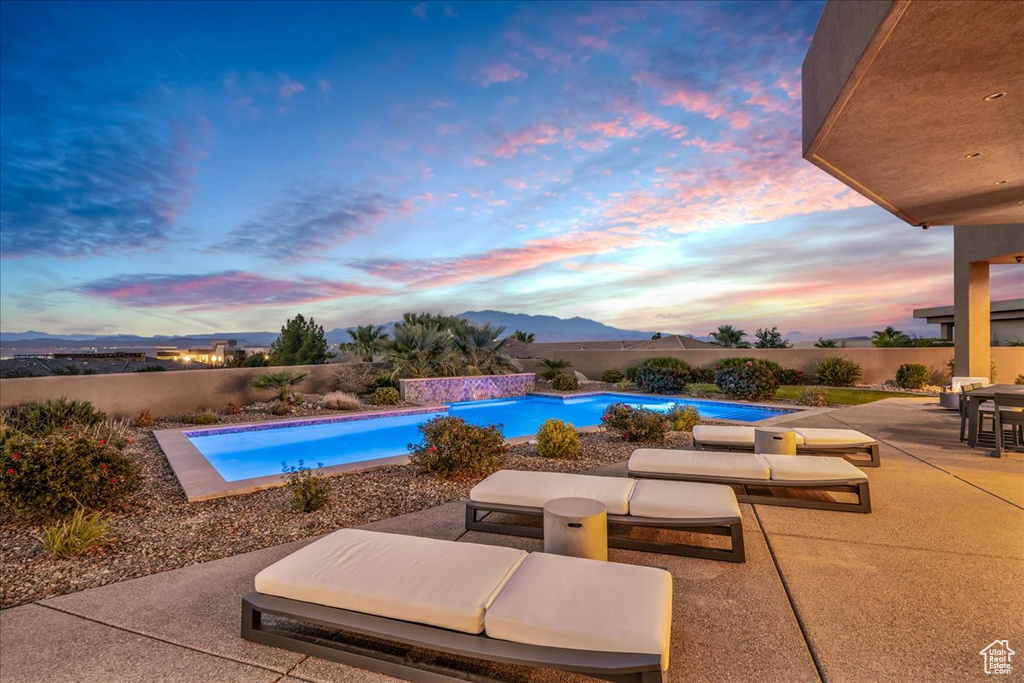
(1006, 320)
(220, 351)
(99, 355)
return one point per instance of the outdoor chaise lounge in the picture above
(601, 619)
(772, 477)
(809, 441)
(675, 505)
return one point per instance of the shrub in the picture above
(234, 408)
(790, 377)
(39, 419)
(812, 396)
(666, 362)
(563, 381)
(661, 380)
(557, 439)
(553, 367)
(206, 417)
(310, 490)
(612, 377)
(151, 368)
(912, 375)
(625, 384)
(280, 382)
(384, 396)
(77, 535)
(634, 424)
(683, 418)
(339, 400)
(355, 378)
(254, 360)
(749, 382)
(837, 371)
(1019, 380)
(696, 391)
(144, 419)
(783, 375)
(450, 446)
(54, 474)
(701, 376)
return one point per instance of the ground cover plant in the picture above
(451, 447)
(812, 396)
(634, 424)
(201, 418)
(339, 400)
(79, 534)
(749, 382)
(840, 395)
(558, 439)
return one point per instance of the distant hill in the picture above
(548, 328)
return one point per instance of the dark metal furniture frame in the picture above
(612, 666)
(874, 458)
(726, 526)
(855, 486)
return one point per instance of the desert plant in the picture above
(384, 396)
(450, 446)
(233, 408)
(837, 371)
(144, 419)
(310, 490)
(683, 418)
(526, 337)
(824, 343)
(76, 535)
(367, 340)
(355, 378)
(696, 390)
(634, 424)
(812, 396)
(565, 381)
(39, 419)
(280, 382)
(301, 342)
(339, 400)
(1019, 379)
(770, 338)
(484, 351)
(729, 337)
(661, 380)
(421, 349)
(552, 367)
(612, 376)
(205, 417)
(748, 382)
(557, 439)
(54, 474)
(625, 385)
(890, 337)
(912, 375)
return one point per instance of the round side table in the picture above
(775, 440)
(577, 527)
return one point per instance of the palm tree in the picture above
(890, 337)
(519, 335)
(825, 343)
(553, 366)
(421, 350)
(280, 383)
(483, 353)
(367, 340)
(730, 337)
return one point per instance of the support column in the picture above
(971, 314)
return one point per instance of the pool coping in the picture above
(201, 481)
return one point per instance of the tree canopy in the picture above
(770, 339)
(730, 337)
(301, 342)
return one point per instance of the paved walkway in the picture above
(912, 591)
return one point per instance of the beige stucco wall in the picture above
(878, 364)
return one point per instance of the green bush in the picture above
(557, 439)
(1019, 380)
(748, 382)
(553, 367)
(310, 490)
(77, 535)
(39, 419)
(612, 377)
(658, 362)
(450, 447)
(625, 385)
(912, 375)
(634, 424)
(683, 418)
(837, 371)
(384, 396)
(812, 396)
(788, 376)
(204, 418)
(254, 360)
(783, 375)
(701, 376)
(661, 380)
(54, 474)
(563, 381)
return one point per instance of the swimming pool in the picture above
(239, 453)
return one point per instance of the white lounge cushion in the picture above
(833, 437)
(813, 468)
(729, 435)
(956, 382)
(534, 489)
(703, 463)
(683, 500)
(425, 580)
(581, 604)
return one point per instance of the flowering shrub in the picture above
(837, 371)
(557, 439)
(54, 474)
(39, 419)
(634, 424)
(783, 375)
(384, 396)
(748, 382)
(812, 396)
(701, 376)
(563, 381)
(450, 447)
(683, 418)
(612, 377)
(310, 490)
(658, 362)
(912, 375)
(660, 380)
(790, 377)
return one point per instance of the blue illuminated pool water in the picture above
(261, 451)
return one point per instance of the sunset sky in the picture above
(193, 168)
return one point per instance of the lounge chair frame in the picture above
(729, 526)
(874, 458)
(612, 666)
(855, 486)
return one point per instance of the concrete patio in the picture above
(915, 590)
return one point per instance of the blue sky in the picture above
(195, 167)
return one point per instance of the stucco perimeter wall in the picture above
(162, 393)
(878, 364)
(477, 388)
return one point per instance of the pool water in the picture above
(238, 454)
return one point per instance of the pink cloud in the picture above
(593, 42)
(502, 72)
(289, 88)
(527, 139)
(325, 85)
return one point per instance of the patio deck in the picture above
(912, 591)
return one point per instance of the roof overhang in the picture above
(896, 101)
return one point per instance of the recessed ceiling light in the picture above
(972, 155)
(994, 96)
(999, 182)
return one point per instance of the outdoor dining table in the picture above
(975, 398)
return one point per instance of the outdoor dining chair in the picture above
(1009, 412)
